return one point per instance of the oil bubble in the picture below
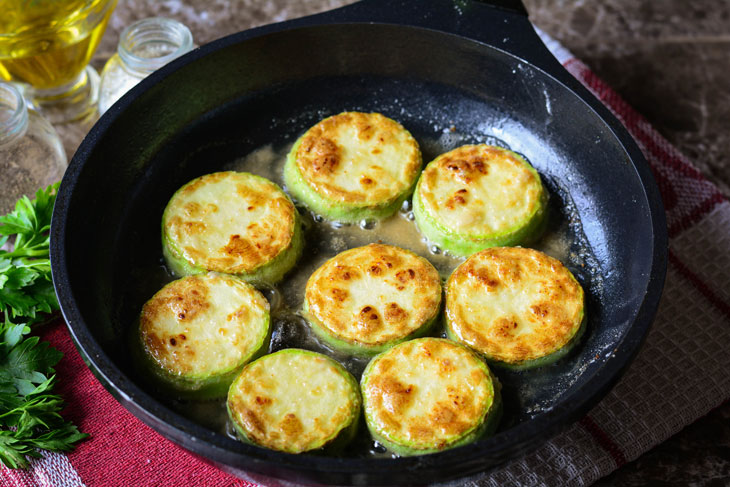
(230, 431)
(273, 296)
(368, 224)
(338, 225)
(378, 448)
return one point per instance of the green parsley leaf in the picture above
(13, 452)
(30, 417)
(13, 334)
(25, 272)
(27, 363)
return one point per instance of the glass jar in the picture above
(144, 46)
(31, 154)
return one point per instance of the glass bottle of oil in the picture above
(144, 46)
(47, 44)
(31, 154)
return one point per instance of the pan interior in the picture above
(240, 104)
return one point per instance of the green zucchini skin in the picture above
(485, 424)
(270, 268)
(173, 378)
(289, 388)
(186, 388)
(333, 210)
(443, 233)
(464, 246)
(549, 359)
(345, 209)
(357, 349)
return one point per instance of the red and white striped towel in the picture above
(681, 373)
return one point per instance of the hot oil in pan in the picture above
(563, 240)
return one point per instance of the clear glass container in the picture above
(31, 154)
(47, 44)
(144, 46)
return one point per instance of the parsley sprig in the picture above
(29, 411)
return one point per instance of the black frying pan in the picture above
(473, 69)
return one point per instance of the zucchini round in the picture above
(232, 222)
(295, 401)
(353, 166)
(429, 395)
(196, 334)
(479, 196)
(518, 307)
(367, 299)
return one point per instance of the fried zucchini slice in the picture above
(197, 332)
(518, 307)
(295, 401)
(428, 395)
(367, 299)
(353, 166)
(479, 196)
(232, 222)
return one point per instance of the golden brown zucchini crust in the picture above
(294, 401)
(353, 165)
(230, 222)
(514, 305)
(479, 196)
(198, 331)
(371, 297)
(427, 395)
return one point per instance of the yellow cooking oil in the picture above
(47, 43)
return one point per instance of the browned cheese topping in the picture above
(229, 222)
(513, 304)
(480, 190)
(373, 294)
(203, 324)
(358, 157)
(293, 401)
(427, 393)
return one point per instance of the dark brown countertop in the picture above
(668, 59)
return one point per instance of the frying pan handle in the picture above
(500, 23)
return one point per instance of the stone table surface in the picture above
(668, 58)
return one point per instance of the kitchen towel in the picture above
(681, 373)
